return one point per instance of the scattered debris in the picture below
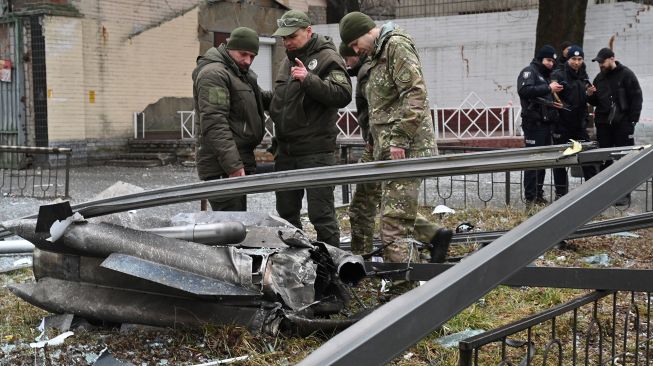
(106, 359)
(452, 340)
(600, 259)
(625, 234)
(56, 341)
(225, 361)
(10, 263)
(442, 209)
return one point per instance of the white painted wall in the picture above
(484, 53)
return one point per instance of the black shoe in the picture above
(541, 201)
(623, 201)
(440, 245)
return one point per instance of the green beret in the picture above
(243, 39)
(354, 25)
(345, 50)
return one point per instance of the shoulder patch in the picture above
(339, 77)
(526, 74)
(312, 64)
(404, 75)
(218, 95)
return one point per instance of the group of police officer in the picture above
(554, 100)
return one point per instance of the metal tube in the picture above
(15, 246)
(222, 233)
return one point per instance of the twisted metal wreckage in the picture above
(262, 273)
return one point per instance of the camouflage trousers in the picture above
(363, 209)
(399, 197)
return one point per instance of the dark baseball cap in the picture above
(603, 54)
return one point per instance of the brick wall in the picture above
(117, 59)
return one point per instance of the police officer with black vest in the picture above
(539, 112)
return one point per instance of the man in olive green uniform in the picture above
(312, 83)
(363, 207)
(400, 121)
(229, 105)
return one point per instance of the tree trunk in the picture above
(559, 21)
(336, 9)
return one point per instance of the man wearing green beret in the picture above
(311, 85)
(400, 123)
(229, 105)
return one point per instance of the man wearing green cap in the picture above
(312, 83)
(400, 123)
(229, 105)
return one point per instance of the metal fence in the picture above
(600, 328)
(34, 171)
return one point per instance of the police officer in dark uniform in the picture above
(572, 119)
(539, 112)
(618, 100)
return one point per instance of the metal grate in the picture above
(35, 171)
(39, 81)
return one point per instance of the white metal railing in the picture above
(184, 118)
(473, 118)
(136, 115)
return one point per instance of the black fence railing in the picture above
(600, 328)
(40, 172)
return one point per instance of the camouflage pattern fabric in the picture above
(363, 210)
(399, 117)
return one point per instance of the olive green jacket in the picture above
(396, 91)
(229, 106)
(305, 113)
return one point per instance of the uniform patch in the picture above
(526, 74)
(312, 64)
(404, 75)
(339, 77)
(218, 96)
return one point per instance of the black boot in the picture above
(440, 245)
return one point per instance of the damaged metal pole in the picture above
(395, 326)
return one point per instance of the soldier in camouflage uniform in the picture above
(400, 121)
(364, 204)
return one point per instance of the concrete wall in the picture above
(483, 53)
(432, 8)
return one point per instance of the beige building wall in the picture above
(65, 78)
(117, 59)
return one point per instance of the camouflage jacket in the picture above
(362, 112)
(396, 92)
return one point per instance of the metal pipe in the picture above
(222, 233)
(443, 165)
(15, 246)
